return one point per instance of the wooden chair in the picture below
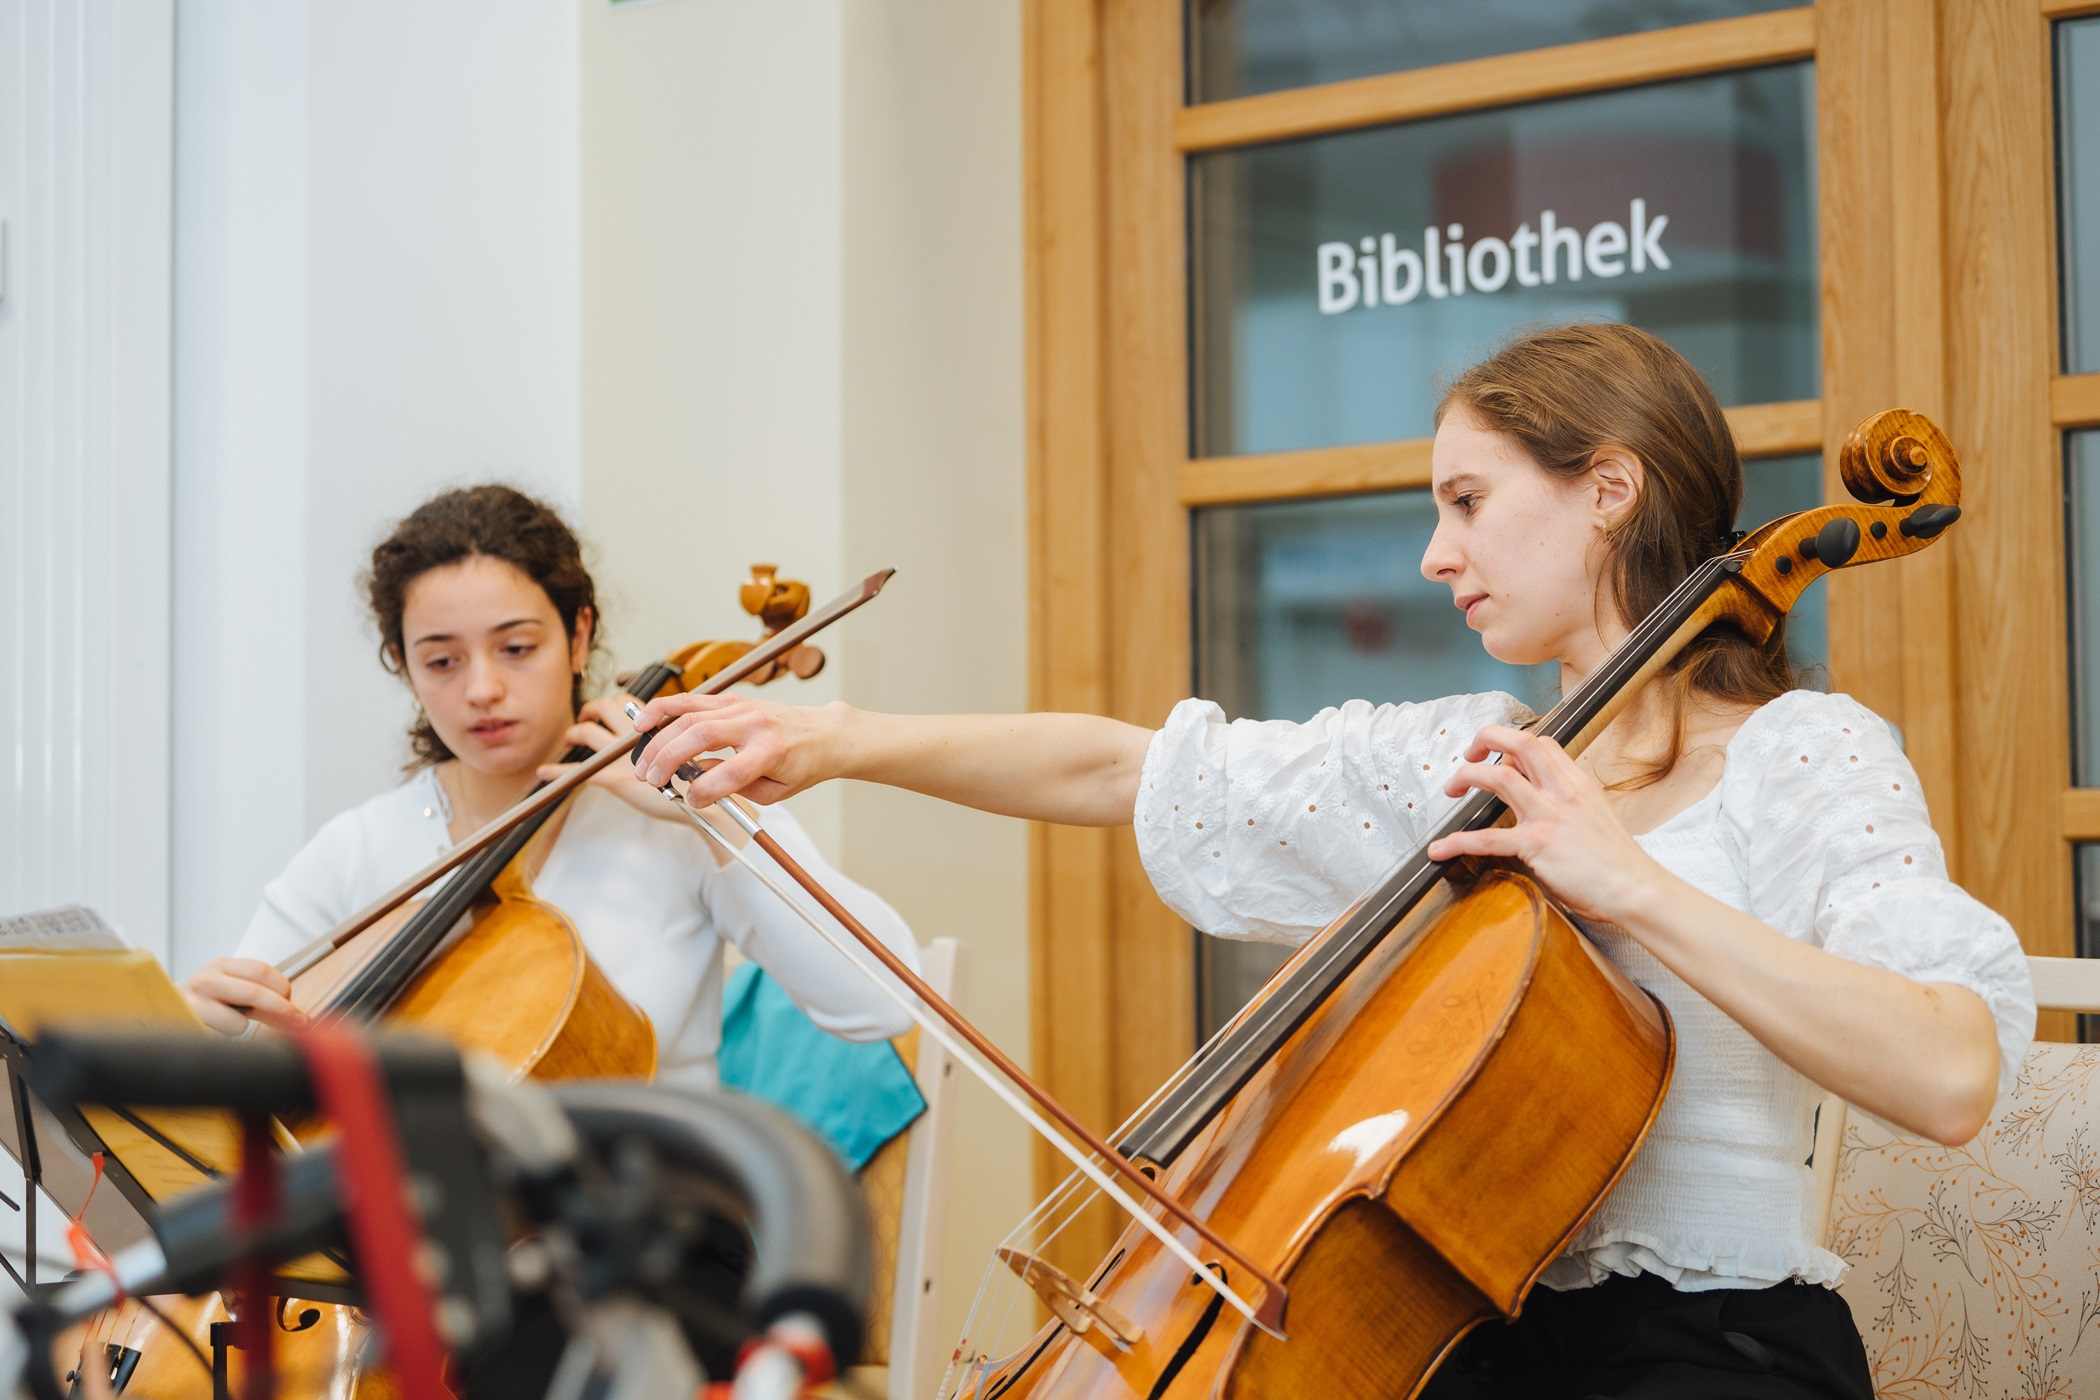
(907, 1186)
(1976, 1269)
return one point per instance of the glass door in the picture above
(1261, 229)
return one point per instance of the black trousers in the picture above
(1640, 1339)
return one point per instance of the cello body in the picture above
(1485, 1016)
(517, 984)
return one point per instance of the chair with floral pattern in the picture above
(1975, 1270)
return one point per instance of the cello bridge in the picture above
(1078, 1308)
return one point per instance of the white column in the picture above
(85, 116)
(712, 217)
(441, 313)
(85, 151)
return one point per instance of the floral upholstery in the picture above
(1975, 1270)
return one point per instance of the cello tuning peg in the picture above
(1835, 543)
(1926, 522)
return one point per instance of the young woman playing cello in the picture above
(1756, 855)
(485, 609)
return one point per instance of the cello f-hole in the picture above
(1193, 1341)
(308, 1317)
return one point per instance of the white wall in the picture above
(376, 275)
(934, 453)
(802, 335)
(712, 212)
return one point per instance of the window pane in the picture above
(2078, 193)
(2082, 525)
(1306, 604)
(1335, 277)
(1238, 47)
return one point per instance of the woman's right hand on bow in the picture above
(767, 751)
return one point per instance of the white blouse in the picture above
(653, 906)
(1270, 830)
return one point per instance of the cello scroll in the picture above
(1907, 483)
(777, 602)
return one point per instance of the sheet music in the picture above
(68, 928)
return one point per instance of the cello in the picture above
(517, 984)
(1413, 1119)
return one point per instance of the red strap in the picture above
(375, 1184)
(87, 1255)
(255, 1205)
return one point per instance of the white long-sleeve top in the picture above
(651, 903)
(1817, 827)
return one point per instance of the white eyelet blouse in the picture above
(1270, 830)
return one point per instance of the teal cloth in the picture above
(857, 1096)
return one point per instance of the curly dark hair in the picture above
(500, 522)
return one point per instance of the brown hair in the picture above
(498, 522)
(1564, 393)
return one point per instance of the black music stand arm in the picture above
(32, 1162)
(17, 1053)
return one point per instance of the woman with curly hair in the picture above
(486, 612)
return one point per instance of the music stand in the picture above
(54, 1148)
(67, 967)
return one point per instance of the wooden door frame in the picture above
(1937, 292)
(2006, 406)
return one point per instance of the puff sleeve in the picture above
(1270, 829)
(1830, 829)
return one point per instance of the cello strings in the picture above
(1000, 1284)
(933, 1026)
(992, 1279)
